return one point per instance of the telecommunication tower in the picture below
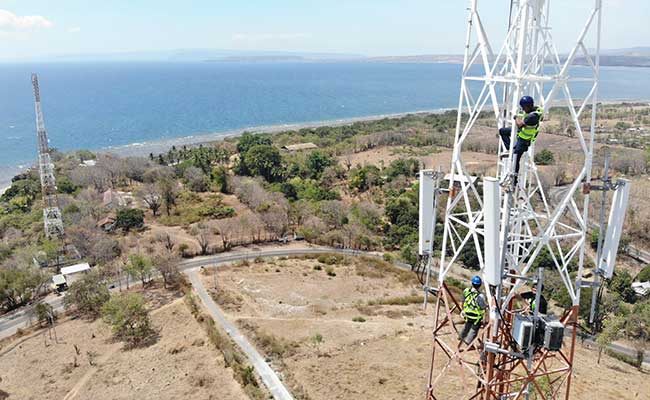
(52, 217)
(509, 222)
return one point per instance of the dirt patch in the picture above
(363, 334)
(180, 365)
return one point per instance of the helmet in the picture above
(526, 101)
(476, 280)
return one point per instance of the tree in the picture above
(202, 234)
(169, 193)
(317, 161)
(87, 295)
(544, 157)
(262, 160)
(220, 179)
(151, 196)
(19, 285)
(43, 312)
(248, 140)
(129, 218)
(129, 319)
(166, 262)
(139, 267)
(197, 181)
(621, 283)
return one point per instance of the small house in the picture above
(73, 272)
(641, 288)
(299, 147)
(107, 224)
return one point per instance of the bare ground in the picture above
(285, 306)
(181, 364)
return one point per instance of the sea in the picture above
(146, 107)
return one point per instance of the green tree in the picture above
(129, 218)
(544, 157)
(363, 178)
(139, 267)
(317, 161)
(43, 312)
(262, 160)
(129, 319)
(20, 285)
(621, 283)
(248, 140)
(220, 179)
(65, 185)
(87, 295)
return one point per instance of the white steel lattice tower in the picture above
(52, 217)
(493, 81)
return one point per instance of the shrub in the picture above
(544, 157)
(129, 318)
(644, 275)
(358, 319)
(87, 296)
(129, 218)
(330, 271)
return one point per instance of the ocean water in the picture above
(99, 105)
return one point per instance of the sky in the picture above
(42, 28)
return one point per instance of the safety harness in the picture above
(471, 308)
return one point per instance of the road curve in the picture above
(10, 324)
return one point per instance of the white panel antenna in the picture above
(614, 228)
(491, 222)
(427, 210)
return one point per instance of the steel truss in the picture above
(52, 217)
(527, 63)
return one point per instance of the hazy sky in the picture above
(37, 28)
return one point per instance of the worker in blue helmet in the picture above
(474, 306)
(527, 122)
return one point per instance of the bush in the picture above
(87, 296)
(330, 271)
(644, 275)
(358, 319)
(129, 218)
(621, 283)
(129, 319)
(20, 285)
(544, 157)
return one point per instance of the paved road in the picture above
(9, 325)
(269, 377)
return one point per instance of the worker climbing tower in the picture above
(52, 217)
(508, 222)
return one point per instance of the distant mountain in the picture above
(630, 52)
(186, 55)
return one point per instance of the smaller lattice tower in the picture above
(52, 217)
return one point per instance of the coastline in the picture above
(163, 145)
(160, 146)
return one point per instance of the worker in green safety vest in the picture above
(474, 306)
(527, 122)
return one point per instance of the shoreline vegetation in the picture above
(136, 149)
